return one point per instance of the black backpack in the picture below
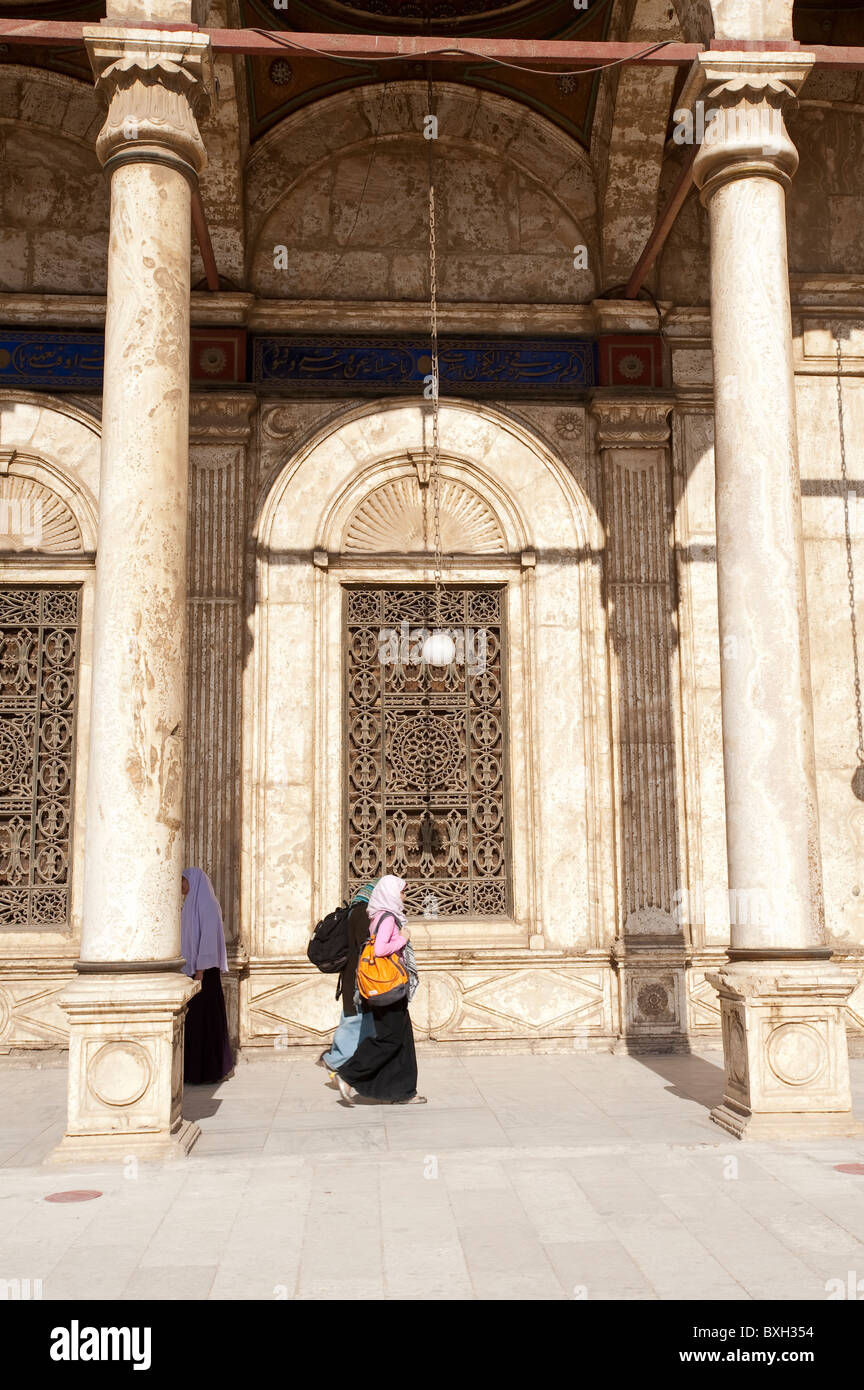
(328, 948)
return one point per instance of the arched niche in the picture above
(55, 210)
(342, 185)
(535, 534)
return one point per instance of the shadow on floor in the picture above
(691, 1077)
(200, 1102)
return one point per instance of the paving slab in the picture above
(561, 1177)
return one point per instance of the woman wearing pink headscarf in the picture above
(384, 1067)
(207, 1047)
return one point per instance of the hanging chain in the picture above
(433, 325)
(850, 573)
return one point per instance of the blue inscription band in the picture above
(467, 366)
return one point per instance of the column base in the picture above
(105, 1148)
(126, 1068)
(784, 1048)
(768, 1127)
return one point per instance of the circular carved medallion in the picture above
(652, 1000)
(797, 1053)
(437, 1002)
(119, 1073)
(426, 746)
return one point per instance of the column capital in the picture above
(155, 84)
(224, 419)
(744, 131)
(631, 424)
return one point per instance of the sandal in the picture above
(345, 1090)
(412, 1100)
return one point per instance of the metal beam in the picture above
(538, 53)
(535, 54)
(205, 245)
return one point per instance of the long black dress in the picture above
(384, 1067)
(207, 1046)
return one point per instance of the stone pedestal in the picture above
(651, 970)
(784, 1044)
(781, 1000)
(126, 1068)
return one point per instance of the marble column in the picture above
(127, 1006)
(781, 997)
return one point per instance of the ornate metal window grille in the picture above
(39, 643)
(427, 750)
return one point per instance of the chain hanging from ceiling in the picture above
(858, 775)
(435, 461)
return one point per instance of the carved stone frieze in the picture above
(498, 999)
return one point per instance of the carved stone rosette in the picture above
(155, 86)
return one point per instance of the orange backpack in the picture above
(381, 979)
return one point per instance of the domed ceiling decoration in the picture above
(280, 85)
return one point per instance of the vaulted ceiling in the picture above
(279, 86)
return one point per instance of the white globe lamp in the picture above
(439, 649)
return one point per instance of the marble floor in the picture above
(525, 1177)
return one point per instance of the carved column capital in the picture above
(636, 426)
(744, 132)
(221, 419)
(155, 85)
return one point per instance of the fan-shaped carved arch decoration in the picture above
(396, 519)
(33, 518)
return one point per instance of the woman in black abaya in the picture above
(207, 1047)
(384, 1067)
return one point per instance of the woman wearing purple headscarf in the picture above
(207, 1047)
(384, 1067)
